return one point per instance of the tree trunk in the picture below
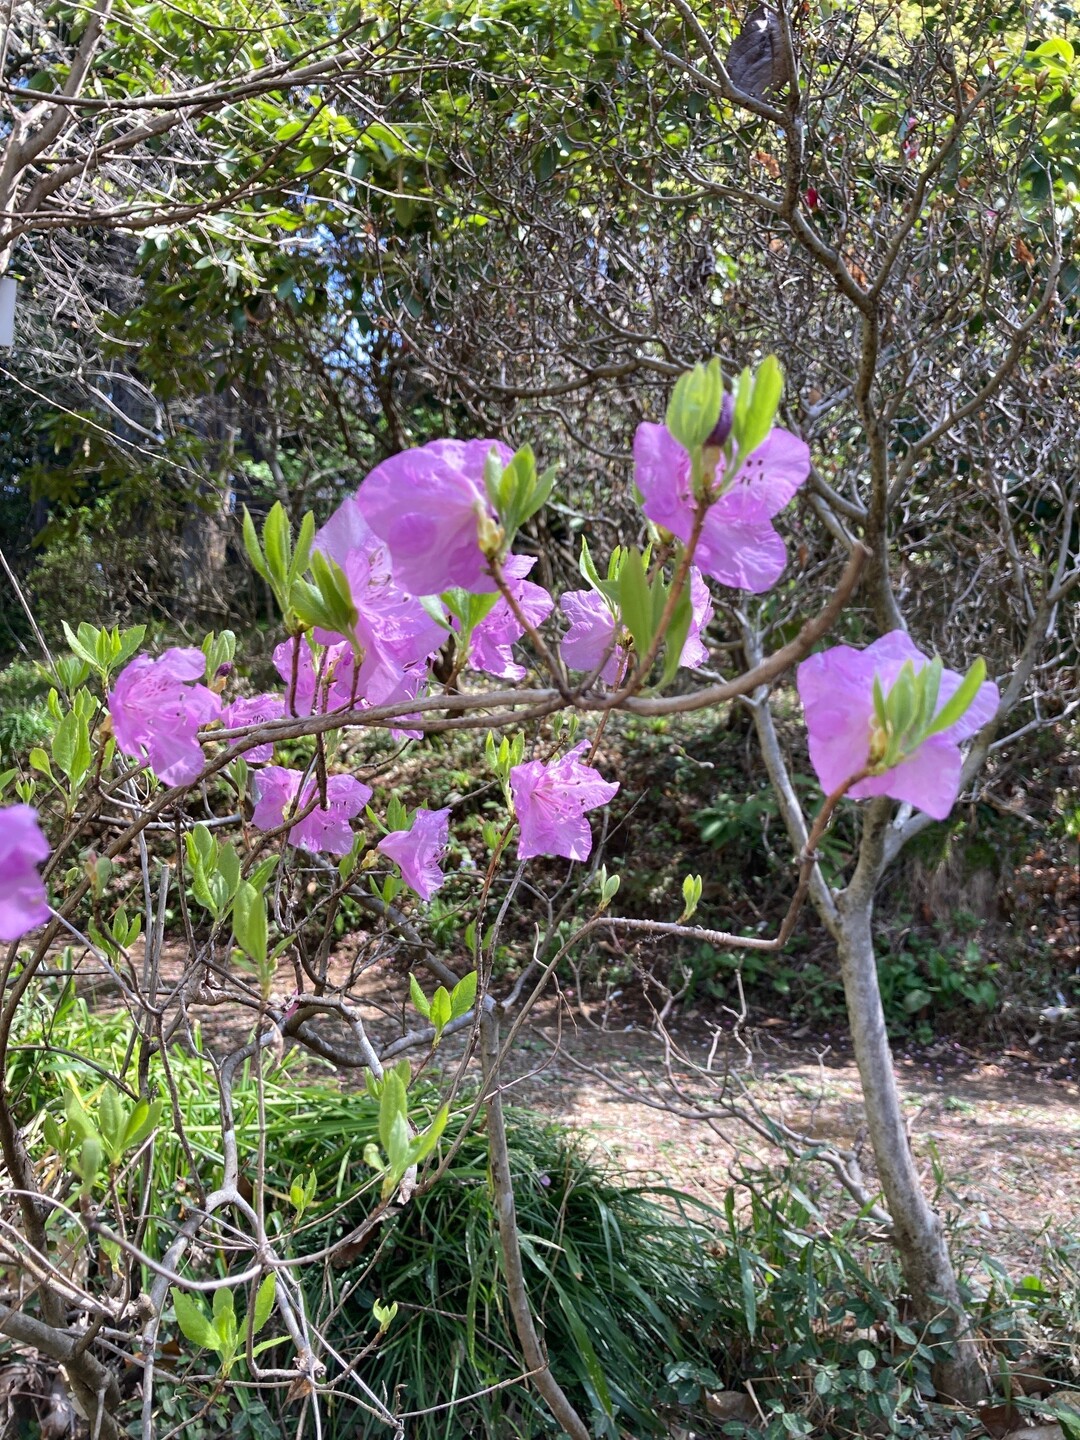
(516, 1292)
(918, 1231)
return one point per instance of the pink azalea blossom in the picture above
(836, 689)
(156, 712)
(550, 802)
(320, 688)
(334, 678)
(417, 852)
(254, 710)
(592, 627)
(393, 628)
(425, 504)
(22, 891)
(327, 830)
(491, 647)
(739, 545)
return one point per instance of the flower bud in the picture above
(718, 435)
(695, 406)
(879, 745)
(489, 533)
(221, 677)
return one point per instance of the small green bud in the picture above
(695, 405)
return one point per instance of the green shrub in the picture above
(621, 1277)
(24, 717)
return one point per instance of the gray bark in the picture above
(918, 1232)
(517, 1294)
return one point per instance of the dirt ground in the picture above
(1001, 1131)
(1004, 1131)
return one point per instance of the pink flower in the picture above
(393, 628)
(22, 891)
(836, 689)
(592, 626)
(332, 679)
(694, 652)
(328, 830)
(156, 713)
(254, 710)
(739, 545)
(417, 852)
(339, 687)
(491, 649)
(425, 504)
(550, 802)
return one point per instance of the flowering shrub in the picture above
(418, 565)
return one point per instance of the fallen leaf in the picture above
(730, 1405)
(999, 1420)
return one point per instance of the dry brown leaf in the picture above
(730, 1405)
(300, 1389)
(768, 162)
(1000, 1420)
(1022, 252)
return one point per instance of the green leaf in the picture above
(65, 743)
(277, 545)
(764, 402)
(421, 1147)
(228, 865)
(38, 761)
(194, 1325)
(393, 1104)
(142, 1120)
(743, 392)
(440, 1009)
(746, 1274)
(957, 707)
(253, 548)
(900, 702)
(585, 1350)
(463, 995)
(635, 602)
(328, 603)
(112, 1122)
(83, 651)
(302, 555)
(91, 1158)
(589, 572)
(202, 845)
(76, 1113)
(264, 1302)
(927, 683)
(249, 922)
(691, 890)
(418, 998)
(130, 640)
(398, 1141)
(71, 672)
(675, 639)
